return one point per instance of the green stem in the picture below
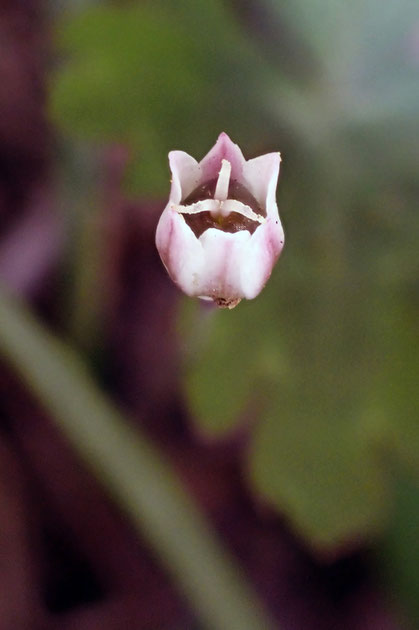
(141, 481)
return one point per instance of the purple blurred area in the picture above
(68, 558)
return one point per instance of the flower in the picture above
(220, 234)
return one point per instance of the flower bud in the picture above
(220, 234)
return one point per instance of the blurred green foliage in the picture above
(156, 76)
(399, 560)
(326, 357)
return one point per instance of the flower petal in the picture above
(224, 149)
(220, 276)
(181, 252)
(186, 175)
(263, 250)
(221, 265)
(261, 177)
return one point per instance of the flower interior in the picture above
(222, 189)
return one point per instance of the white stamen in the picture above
(223, 182)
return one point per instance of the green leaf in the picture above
(302, 362)
(399, 551)
(397, 390)
(315, 465)
(156, 78)
(234, 365)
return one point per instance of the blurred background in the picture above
(292, 420)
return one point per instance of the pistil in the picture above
(223, 182)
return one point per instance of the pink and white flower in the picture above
(220, 234)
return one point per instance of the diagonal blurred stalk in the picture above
(141, 481)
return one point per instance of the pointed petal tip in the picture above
(226, 149)
(224, 139)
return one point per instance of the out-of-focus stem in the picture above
(141, 481)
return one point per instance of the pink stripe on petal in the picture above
(180, 250)
(264, 249)
(224, 149)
